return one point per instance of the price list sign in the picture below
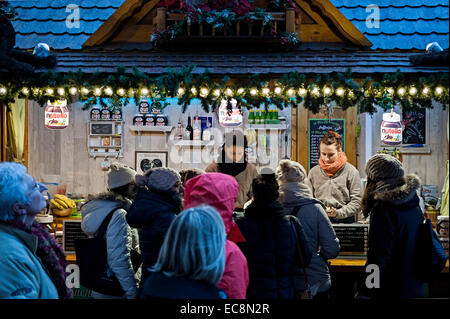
(352, 238)
(316, 129)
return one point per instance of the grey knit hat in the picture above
(290, 172)
(120, 175)
(160, 178)
(384, 166)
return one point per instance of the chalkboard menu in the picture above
(414, 132)
(316, 129)
(102, 128)
(353, 238)
(71, 231)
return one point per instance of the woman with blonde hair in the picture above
(191, 261)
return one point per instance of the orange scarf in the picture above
(331, 169)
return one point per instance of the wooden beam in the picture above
(4, 132)
(25, 137)
(343, 25)
(111, 25)
(160, 19)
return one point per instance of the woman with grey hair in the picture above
(32, 264)
(297, 199)
(191, 261)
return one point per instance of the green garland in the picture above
(293, 89)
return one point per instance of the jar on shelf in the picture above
(95, 114)
(117, 115)
(138, 120)
(149, 120)
(144, 107)
(105, 114)
(161, 120)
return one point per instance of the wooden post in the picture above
(290, 20)
(25, 143)
(160, 19)
(4, 132)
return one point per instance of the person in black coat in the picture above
(271, 244)
(157, 203)
(391, 200)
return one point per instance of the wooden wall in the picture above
(61, 156)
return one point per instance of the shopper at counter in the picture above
(120, 238)
(157, 203)
(192, 258)
(32, 264)
(220, 191)
(271, 247)
(391, 201)
(335, 182)
(233, 162)
(296, 197)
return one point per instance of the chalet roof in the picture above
(404, 24)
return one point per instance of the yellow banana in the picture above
(55, 204)
(69, 202)
(62, 203)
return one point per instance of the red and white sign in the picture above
(56, 115)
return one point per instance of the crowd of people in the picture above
(227, 232)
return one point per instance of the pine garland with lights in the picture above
(292, 90)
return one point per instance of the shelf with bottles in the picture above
(105, 138)
(281, 127)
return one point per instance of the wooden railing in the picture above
(282, 22)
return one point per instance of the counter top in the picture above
(356, 265)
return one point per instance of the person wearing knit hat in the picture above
(392, 202)
(156, 205)
(336, 182)
(297, 200)
(121, 239)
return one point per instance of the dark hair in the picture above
(265, 188)
(238, 139)
(187, 174)
(330, 138)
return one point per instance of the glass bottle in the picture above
(251, 117)
(188, 131)
(197, 130)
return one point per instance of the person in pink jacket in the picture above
(220, 191)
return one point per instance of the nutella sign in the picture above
(56, 115)
(391, 129)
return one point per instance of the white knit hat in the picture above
(120, 175)
(290, 172)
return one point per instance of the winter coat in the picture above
(22, 275)
(318, 229)
(271, 250)
(120, 238)
(244, 179)
(342, 191)
(160, 286)
(152, 212)
(220, 191)
(395, 219)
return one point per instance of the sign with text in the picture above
(353, 238)
(316, 129)
(414, 131)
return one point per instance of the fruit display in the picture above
(62, 202)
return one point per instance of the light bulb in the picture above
(25, 91)
(85, 91)
(216, 92)
(97, 91)
(390, 91)
(401, 91)
(413, 91)
(315, 91)
(121, 92)
(302, 92)
(240, 90)
(439, 90)
(340, 92)
(291, 92)
(253, 92)
(277, 90)
(229, 92)
(204, 92)
(327, 91)
(265, 91)
(108, 91)
(144, 91)
(73, 90)
(2, 91)
(61, 91)
(426, 91)
(194, 91)
(180, 91)
(50, 91)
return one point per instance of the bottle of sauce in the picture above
(179, 132)
(197, 130)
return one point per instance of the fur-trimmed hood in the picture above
(400, 194)
(98, 207)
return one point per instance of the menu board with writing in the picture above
(316, 129)
(353, 238)
(414, 131)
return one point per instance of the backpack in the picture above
(430, 256)
(92, 259)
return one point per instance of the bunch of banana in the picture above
(62, 202)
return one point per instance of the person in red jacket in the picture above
(220, 191)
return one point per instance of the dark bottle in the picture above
(188, 134)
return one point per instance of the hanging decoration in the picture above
(291, 90)
(391, 129)
(56, 115)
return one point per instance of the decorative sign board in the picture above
(316, 129)
(353, 238)
(415, 124)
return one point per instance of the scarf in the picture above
(333, 168)
(368, 201)
(228, 167)
(291, 192)
(51, 255)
